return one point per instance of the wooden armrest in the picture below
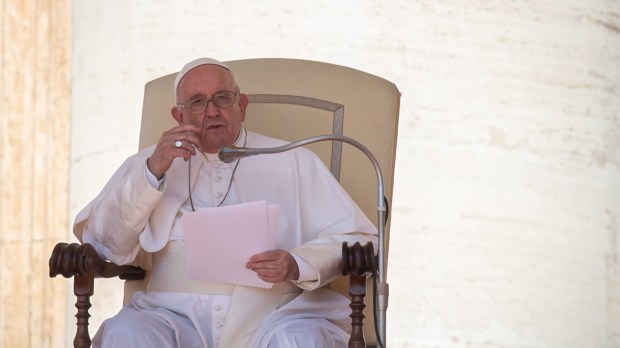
(82, 262)
(80, 259)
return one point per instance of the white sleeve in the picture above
(115, 218)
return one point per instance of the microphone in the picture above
(228, 154)
(231, 153)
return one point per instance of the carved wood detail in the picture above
(358, 263)
(82, 262)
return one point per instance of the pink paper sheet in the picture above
(220, 241)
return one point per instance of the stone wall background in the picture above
(35, 109)
(505, 213)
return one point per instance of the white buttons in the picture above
(218, 308)
(219, 325)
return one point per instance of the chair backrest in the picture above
(293, 99)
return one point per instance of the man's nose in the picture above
(212, 109)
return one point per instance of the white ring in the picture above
(178, 143)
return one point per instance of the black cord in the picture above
(374, 306)
(387, 208)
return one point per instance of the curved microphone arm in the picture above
(229, 154)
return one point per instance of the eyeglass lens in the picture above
(221, 100)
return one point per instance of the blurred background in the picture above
(506, 207)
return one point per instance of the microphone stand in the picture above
(229, 154)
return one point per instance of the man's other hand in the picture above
(274, 266)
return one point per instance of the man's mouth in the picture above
(214, 126)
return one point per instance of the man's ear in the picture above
(243, 104)
(177, 114)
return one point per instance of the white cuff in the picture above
(306, 270)
(150, 177)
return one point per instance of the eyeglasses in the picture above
(221, 100)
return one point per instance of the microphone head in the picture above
(229, 154)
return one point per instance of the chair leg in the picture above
(357, 291)
(83, 289)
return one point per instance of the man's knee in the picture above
(309, 333)
(132, 328)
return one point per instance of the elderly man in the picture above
(137, 217)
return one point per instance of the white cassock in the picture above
(134, 221)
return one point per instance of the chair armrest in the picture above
(80, 259)
(82, 262)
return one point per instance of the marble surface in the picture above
(506, 205)
(35, 66)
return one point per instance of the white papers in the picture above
(220, 241)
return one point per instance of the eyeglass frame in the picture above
(207, 101)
